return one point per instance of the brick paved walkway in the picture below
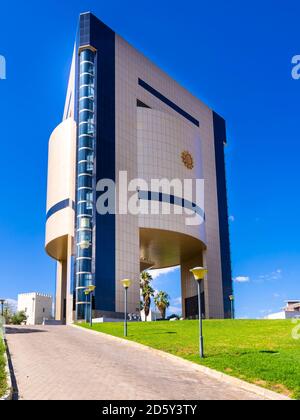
(59, 362)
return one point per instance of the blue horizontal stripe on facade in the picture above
(171, 199)
(60, 206)
(143, 195)
(168, 102)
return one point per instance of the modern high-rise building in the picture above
(126, 119)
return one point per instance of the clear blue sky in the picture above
(236, 56)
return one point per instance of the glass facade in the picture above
(85, 181)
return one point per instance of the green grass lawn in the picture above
(3, 384)
(261, 352)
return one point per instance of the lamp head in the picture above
(90, 289)
(126, 283)
(231, 297)
(199, 273)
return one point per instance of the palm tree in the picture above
(162, 302)
(146, 291)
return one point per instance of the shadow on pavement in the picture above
(15, 390)
(12, 330)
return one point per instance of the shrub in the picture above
(18, 318)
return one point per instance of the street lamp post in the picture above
(89, 292)
(2, 306)
(126, 284)
(33, 311)
(231, 298)
(199, 274)
(86, 292)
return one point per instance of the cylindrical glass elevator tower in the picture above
(86, 143)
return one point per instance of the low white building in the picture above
(153, 316)
(37, 306)
(291, 311)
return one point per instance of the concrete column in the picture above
(206, 287)
(58, 296)
(60, 290)
(188, 284)
(213, 288)
(69, 292)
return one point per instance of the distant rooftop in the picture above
(36, 294)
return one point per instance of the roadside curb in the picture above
(9, 393)
(222, 377)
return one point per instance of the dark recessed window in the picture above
(141, 104)
(167, 101)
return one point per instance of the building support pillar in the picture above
(189, 289)
(60, 291)
(69, 291)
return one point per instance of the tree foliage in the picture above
(146, 291)
(18, 318)
(162, 302)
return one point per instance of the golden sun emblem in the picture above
(187, 159)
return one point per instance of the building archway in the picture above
(163, 249)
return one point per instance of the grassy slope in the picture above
(261, 352)
(3, 384)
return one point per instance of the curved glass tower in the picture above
(85, 180)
